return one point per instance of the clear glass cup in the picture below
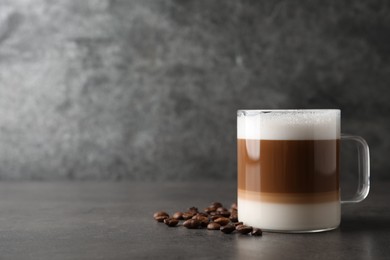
(288, 169)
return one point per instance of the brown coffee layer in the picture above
(289, 198)
(288, 166)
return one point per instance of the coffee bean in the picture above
(160, 213)
(213, 213)
(191, 224)
(193, 210)
(227, 229)
(160, 216)
(257, 232)
(234, 206)
(187, 215)
(204, 221)
(178, 215)
(223, 211)
(234, 217)
(244, 229)
(233, 211)
(202, 214)
(208, 210)
(222, 221)
(213, 226)
(216, 205)
(238, 223)
(225, 214)
(171, 222)
(214, 217)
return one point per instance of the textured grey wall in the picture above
(149, 89)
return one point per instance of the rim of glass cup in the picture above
(249, 112)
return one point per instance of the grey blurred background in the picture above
(148, 90)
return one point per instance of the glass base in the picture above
(300, 231)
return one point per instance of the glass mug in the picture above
(288, 169)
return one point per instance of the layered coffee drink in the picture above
(288, 169)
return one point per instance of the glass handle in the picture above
(363, 168)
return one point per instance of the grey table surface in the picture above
(107, 220)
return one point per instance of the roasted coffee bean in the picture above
(160, 216)
(171, 222)
(191, 224)
(233, 206)
(257, 232)
(209, 210)
(233, 211)
(187, 215)
(222, 221)
(238, 223)
(213, 226)
(225, 214)
(193, 210)
(213, 213)
(204, 221)
(227, 229)
(234, 217)
(244, 229)
(178, 215)
(216, 205)
(214, 217)
(223, 211)
(160, 213)
(202, 214)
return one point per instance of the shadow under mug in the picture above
(288, 169)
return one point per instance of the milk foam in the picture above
(288, 124)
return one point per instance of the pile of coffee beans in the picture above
(214, 217)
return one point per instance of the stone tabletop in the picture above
(107, 220)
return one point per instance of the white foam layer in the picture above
(289, 124)
(289, 217)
